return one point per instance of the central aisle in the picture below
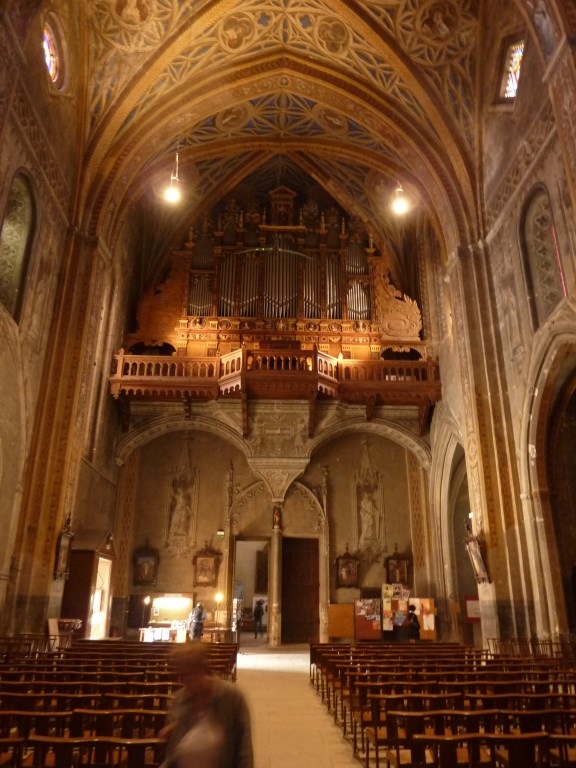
(291, 727)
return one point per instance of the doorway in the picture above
(98, 618)
(300, 590)
(251, 564)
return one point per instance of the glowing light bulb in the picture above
(172, 192)
(400, 203)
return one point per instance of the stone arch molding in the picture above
(277, 472)
(551, 358)
(162, 426)
(382, 428)
(318, 514)
(447, 441)
(553, 364)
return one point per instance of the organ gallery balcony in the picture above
(276, 373)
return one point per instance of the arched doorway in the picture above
(561, 472)
(465, 588)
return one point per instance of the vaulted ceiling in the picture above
(349, 96)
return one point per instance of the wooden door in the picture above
(300, 591)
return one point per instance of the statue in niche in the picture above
(510, 308)
(181, 514)
(367, 520)
(369, 533)
(277, 517)
(544, 27)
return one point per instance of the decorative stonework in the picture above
(397, 314)
(417, 511)
(278, 473)
(57, 184)
(563, 90)
(512, 183)
(243, 499)
(279, 432)
(308, 501)
(123, 540)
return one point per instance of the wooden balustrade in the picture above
(277, 373)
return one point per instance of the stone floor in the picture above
(291, 727)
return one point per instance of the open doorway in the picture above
(251, 564)
(98, 619)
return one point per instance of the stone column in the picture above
(488, 444)
(52, 476)
(275, 574)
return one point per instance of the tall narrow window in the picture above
(51, 53)
(54, 51)
(15, 243)
(512, 68)
(541, 257)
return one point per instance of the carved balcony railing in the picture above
(277, 373)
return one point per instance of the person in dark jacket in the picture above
(258, 616)
(208, 725)
(413, 624)
(196, 622)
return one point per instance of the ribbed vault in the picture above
(357, 95)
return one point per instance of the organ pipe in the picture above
(281, 282)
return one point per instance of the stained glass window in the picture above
(51, 53)
(512, 66)
(541, 254)
(55, 51)
(15, 238)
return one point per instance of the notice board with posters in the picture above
(368, 619)
(395, 613)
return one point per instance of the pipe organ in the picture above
(282, 277)
(264, 277)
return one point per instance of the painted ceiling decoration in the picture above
(350, 96)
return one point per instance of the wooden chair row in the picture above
(92, 687)
(323, 657)
(83, 722)
(223, 662)
(490, 738)
(105, 752)
(69, 701)
(354, 708)
(337, 676)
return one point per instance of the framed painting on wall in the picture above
(206, 563)
(347, 571)
(145, 566)
(398, 569)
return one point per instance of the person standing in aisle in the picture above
(208, 725)
(258, 615)
(196, 622)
